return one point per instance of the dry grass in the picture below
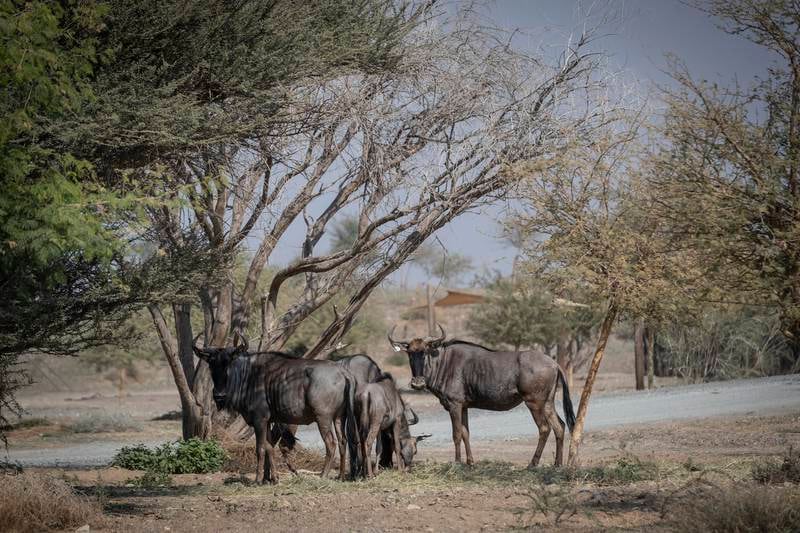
(738, 508)
(242, 457)
(34, 502)
(785, 471)
(105, 423)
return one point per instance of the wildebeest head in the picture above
(219, 360)
(418, 350)
(408, 445)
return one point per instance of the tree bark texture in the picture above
(583, 407)
(639, 352)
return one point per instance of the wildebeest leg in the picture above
(465, 435)
(558, 427)
(398, 460)
(455, 420)
(372, 434)
(540, 417)
(340, 437)
(326, 432)
(261, 427)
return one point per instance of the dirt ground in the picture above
(438, 496)
(497, 494)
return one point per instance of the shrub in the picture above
(105, 423)
(151, 479)
(625, 470)
(34, 502)
(193, 456)
(739, 508)
(26, 424)
(771, 471)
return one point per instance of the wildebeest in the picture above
(366, 370)
(362, 366)
(464, 375)
(273, 387)
(380, 407)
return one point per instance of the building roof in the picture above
(456, 297)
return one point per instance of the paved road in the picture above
(762, 396)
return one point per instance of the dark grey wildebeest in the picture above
(366, 370)
(363, 367)
(464, 375)
(380, 408)
(276, 388)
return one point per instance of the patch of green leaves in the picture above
(193, 456)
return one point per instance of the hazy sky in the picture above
(649, 30)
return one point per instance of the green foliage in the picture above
(50, 202)
(723, 344)
(216, 72)
(519, 315)
(368, 327)
(193, 456)
(448, 266)
(727, 172)
(135, 342)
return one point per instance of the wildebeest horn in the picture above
(244, 346)
(436, 340)
(423, 437)
(197, 350)
(414, 418)
(394, 342)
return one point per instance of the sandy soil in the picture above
(219, 502)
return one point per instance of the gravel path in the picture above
(761, 396)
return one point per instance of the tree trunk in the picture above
(183, 330)
(639, 352)
(195, 423)
(577, 431)
(651, 348)
(431, 312)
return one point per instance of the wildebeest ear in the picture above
(423, 437)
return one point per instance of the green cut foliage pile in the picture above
(193, 456)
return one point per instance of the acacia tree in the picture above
(729, 169)
(593, 214)
(405, 131)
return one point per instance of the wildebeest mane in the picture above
(451, 342)
(243, 381)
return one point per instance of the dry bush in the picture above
(35, 502)
(242, 457)
(738, 508)
(771, 471)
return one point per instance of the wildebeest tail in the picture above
(569, 413)
(282, 432)
(351, 428)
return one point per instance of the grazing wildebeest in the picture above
(366, 370)
(463, 375)
(276, 388)
(380, 407)
(362, 366)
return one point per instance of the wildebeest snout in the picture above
(417, 382)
